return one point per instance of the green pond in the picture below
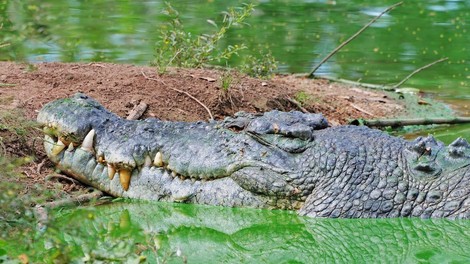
(174, 233)
(299, 34)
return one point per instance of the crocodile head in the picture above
(210, 163)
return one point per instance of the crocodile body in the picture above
(276, 160)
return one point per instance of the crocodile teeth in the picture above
(158, 161)
(111, 171)
(88, 141)
(58, 147)
(125, 178)
(71, 147)
(101, 159)
(148, 161)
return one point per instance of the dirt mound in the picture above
(120, 87)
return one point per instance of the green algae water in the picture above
(299, 34)
(180, 233)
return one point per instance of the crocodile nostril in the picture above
(455, 152)
(428, 168)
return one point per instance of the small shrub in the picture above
(226, 80)
(302, 97)
(263, 66)
(178, 47)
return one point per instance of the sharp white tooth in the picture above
(158, 161)
(148, 161)
(173, 173)
(125, 178)
(88, 141)
(58, 147)
(71, 147)
(111, 171)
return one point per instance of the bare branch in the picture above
(351, 38)
(418, 70)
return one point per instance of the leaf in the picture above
(212, 22)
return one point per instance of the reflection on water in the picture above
(204, 234)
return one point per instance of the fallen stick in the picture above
(298, 104)
(137, 111)
(360, 109)
(61, 177)
(351, 38)
(409, 122)
(418, 70)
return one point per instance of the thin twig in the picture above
(418, 70)
(195, 99)
(351, 38)
(298, 104)
(360, 109)
(150, 78)
(186, 93)
(40, 165)
(62, 177)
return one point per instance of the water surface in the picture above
(208, 234)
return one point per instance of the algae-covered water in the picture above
(299, 34)
(181, 233)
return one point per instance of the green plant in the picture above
(178, 47)
(262, 66)
(226, 80)
(3, 44)
(302, 97)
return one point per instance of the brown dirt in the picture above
(120, 87)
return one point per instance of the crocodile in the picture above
(275, 160)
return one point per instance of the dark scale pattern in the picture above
(357, 174)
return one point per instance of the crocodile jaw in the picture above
(156, 183)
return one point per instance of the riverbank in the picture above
(178, 94)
